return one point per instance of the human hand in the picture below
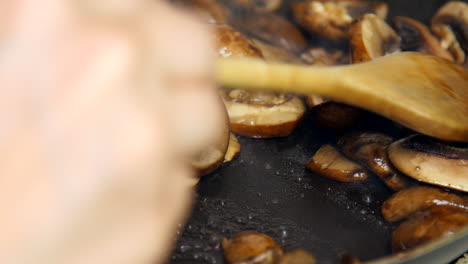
(102, 104)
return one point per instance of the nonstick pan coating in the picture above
(268, 189)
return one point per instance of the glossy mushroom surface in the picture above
(408, 201)
(432, 161)
(450, 24)
(370, 150)
(251, 247)
(427, 225)
(330, 163)
(297, 256)
(370, 38)
(233, 149)
(415, 36)
(331, 19)
(273, 29)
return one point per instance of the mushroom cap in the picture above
(408, 201)
(427, 225)
(371, 37)
(265, 120)
(432, 161)
(297, 256)
(250, 245)
(450, 23)
(370, 150)
(232, 43)
(273, 29)
(416, 36)
(329, 162)
(331, 19)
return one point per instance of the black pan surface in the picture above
(268, 189)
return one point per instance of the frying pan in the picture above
(267, 189)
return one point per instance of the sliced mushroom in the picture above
(210, 10)
(260, 6)
(251, 247)
(370, 150)
(335, 116)
(297, 256)
(330, 19)
(213, 156)
(255, 113)
(403, 203)
(370, 38)
(427, 225)
(321, 56)
(233, 148)
(415, 36)
(450, 24)
(272, 53)
(432, 161)
(261, 114)
(232, 43)
(329, 162)
(273, 29)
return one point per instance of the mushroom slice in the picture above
(403, 203)
(329, 162)
(233, 148)
(450, 24)
(251, 247)
(256, 113)
(321, 56)
(331, 20)
(335, 116)
(213, 156)
(260, 6)
(432, 161)
(370, 38)
(211, 10)
(427, 225)
(370, 150)
(272, 53)
(297, 256)
(273, 29)
(262, 114)
(232, 43)
(415, 36)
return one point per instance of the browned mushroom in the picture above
(370, 150)
(427, 225)
(251, 247)
(273, 29)
(260, 6)
(450, 24)
(210, 10)
(272, 53)
(403, 203)
(415, 36)
(335, 116)
(297, 256)
(329, 162)
(432, 161)
(321, 56)
(370, 38)
(330, 19)
(213, 156)
(233, 148)
(256, 113)
(231, 42)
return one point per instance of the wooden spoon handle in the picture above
(260, 75)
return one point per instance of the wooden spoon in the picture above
(423, 92)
